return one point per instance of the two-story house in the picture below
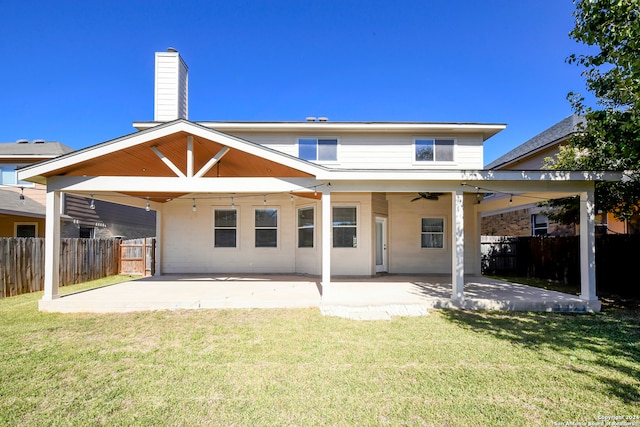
(310, 197)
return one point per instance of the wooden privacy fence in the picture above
(81, 260)
(558, 259)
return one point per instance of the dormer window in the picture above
(434, 150)
(315, 149)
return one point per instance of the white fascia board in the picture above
(27, 156)
(377, 127)
(151, 185)
(463, 175)
(161, 131)
(416, 185)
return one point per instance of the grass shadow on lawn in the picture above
(604, 346)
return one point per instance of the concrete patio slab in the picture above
(378, 297)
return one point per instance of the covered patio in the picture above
(224, 203)
(380, 297)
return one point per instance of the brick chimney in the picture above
(171, 87)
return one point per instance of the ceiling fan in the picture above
(428, 196)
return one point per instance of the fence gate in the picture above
(137, 257)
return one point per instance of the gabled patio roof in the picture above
(175, 149)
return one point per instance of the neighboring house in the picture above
(311, 197)
(529, 219)
(22, 203)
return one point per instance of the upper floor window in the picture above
(9, 176)
(318, 149)
(434, 150)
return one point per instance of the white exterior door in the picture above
(381, 244)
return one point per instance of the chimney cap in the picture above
(171, 49)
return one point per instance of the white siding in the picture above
(389, 151)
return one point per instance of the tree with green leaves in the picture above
(610, 137)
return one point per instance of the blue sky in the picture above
(81, 72)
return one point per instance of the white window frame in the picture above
(327, 138)
(443, 232)
(17, 224)
(414, 151)
(236, 228)
(256, 228)
(357, 226)
(312, 227)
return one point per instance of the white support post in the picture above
(52, 246)
(190, 156)
(159, 243)
(587, 246)
(326, 242)
(478, 242)
(457, 246)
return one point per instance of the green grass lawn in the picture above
(296, 367)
